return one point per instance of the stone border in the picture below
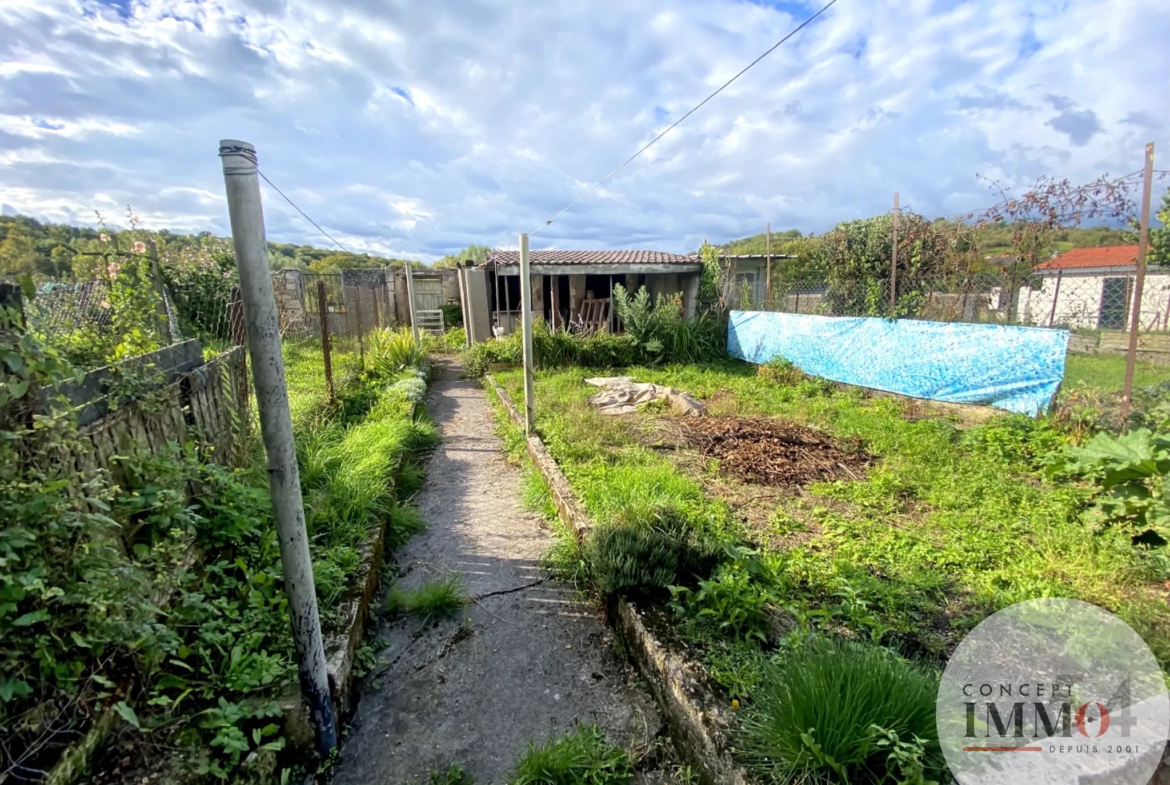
(680, 687)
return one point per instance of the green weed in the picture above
(835, 712)
(431, 601)
(579, 758)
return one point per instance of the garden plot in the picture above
(942, 526)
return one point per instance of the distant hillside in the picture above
(47, 250)
(993, 239)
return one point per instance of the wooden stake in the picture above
(1139, 284)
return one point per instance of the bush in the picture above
(780, 370)
(844, 712)
(670, 339)
(578, 758)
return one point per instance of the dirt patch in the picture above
(775, 452)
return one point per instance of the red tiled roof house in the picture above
(1093, 288)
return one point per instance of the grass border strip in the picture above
(678, 685)
(341, 650)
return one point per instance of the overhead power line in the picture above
(302, 212)
(696, 108)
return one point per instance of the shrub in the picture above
(780, 370)
(663, 338)
(455, 339)
(831, 712)
(578, 758)
(639, 558)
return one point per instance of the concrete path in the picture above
(525, 663)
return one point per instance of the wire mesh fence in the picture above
(137, 305)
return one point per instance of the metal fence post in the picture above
(1055, 298)
(894, 262)
(326, 354)
(1139, 284)
(357, 312)
(377, 292)
(768, 268)
(410, 301)
(263, 335)
(526, 325)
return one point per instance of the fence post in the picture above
(357, 312)
(160, 307)
(239, 338)
(526, 326)
(377, 292)
(263, 335)
(1055, 298)
(894, 262)
(768, 269)
(410, 301)
(326, 352)
(1139, 284)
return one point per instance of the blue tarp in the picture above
(1013, 368)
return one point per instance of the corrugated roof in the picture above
(1104, 256)
(591, 257)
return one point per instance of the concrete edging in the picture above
(693, 709)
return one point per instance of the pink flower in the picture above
(105, 238)
(139, 247)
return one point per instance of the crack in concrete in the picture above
(479, 597)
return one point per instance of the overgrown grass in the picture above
(1106, 373)
(431, 601)
(348, 475)
(948, 526)
(579, 758)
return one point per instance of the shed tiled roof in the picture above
(591, 257)
(1105, 256)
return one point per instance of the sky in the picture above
(414, 129)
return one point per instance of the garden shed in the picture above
(575, 288)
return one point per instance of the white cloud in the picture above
(411, 130)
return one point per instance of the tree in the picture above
(1159, 250)
(473, 252)
(18, 253)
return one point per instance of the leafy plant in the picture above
(1130, 471)
(831, 712)
(579, 758)
(736, 599)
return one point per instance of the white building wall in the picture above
(1078, 300)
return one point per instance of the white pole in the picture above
(284, 484)
(410, 300)
(526, 322)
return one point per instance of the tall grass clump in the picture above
(841, 712)
(393, 351)
(431, 601)
(579, 758)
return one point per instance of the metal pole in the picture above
(377, 293)
(263, 335)
(326, 349)
(768, 270)
(357, 312)
(1139, 284)
(894, 261)
(1055, 298)
(410, 300)
(526, 322)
